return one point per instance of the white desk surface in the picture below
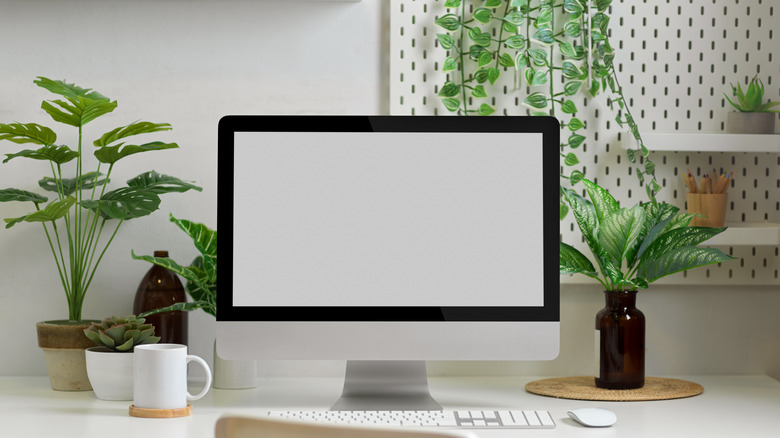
(731, 406)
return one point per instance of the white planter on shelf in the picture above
(110, 373)
(738, 122)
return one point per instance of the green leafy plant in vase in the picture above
(753, 115)
(83, 216)
(633, 247)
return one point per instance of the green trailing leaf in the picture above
(486, 110)
(55, 154)
(449, 22)
(27, 133)
(8, 195)
(125, 203)
(450, 89)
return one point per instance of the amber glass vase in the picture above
(161, 288)
(620, 338)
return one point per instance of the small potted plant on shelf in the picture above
(753, 115)
(83, 216)
(110, 363)
(201, 276)
(633, 247)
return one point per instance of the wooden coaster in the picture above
(160, 413)
(584, 388)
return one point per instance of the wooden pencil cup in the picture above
(711, 207)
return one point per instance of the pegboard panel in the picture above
(675, 59)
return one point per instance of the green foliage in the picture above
(537, 39)
(753, 100)
(634, 246)
(74, 220)
(201, 274)
(121, 334)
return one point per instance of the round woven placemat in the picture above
(584, 388)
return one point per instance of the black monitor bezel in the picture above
(547, 126)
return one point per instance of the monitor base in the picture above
(371, 385)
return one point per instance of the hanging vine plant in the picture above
(559, 49)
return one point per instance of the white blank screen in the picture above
(387, 219)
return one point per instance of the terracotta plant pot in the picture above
(63, 344)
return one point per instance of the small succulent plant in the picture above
(753, 99)
(121, 334)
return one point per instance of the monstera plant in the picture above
(83, 216)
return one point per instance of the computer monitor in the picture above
(387, 241)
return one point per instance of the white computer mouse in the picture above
(593, 417)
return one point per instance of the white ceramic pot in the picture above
(110, 373)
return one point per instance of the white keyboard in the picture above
(448, 418)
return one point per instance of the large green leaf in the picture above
(191, 273)
(134, 128)
(184, 307)
(68, 90)
(125, 203)
(70, 185)
(205, 240)
(27, 133)
(602, 201)
(683, 259)
(112, 154)
(55, 154)
(203, 292)
(673, 239)
(585, 215)
(574, 262)
(77, 111)
(7, 195)
(52, 212)
(161, 183)
(619, 233)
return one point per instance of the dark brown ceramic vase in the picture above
(620, 335)
(161, 288)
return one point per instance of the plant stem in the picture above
(460, 55)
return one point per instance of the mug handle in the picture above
(191, 358)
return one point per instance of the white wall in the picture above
(189, 63)
(183, 62)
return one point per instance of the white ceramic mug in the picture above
(160, 376)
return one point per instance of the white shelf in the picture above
(747, 234)
(711, 142)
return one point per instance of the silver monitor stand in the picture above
(371, 385)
